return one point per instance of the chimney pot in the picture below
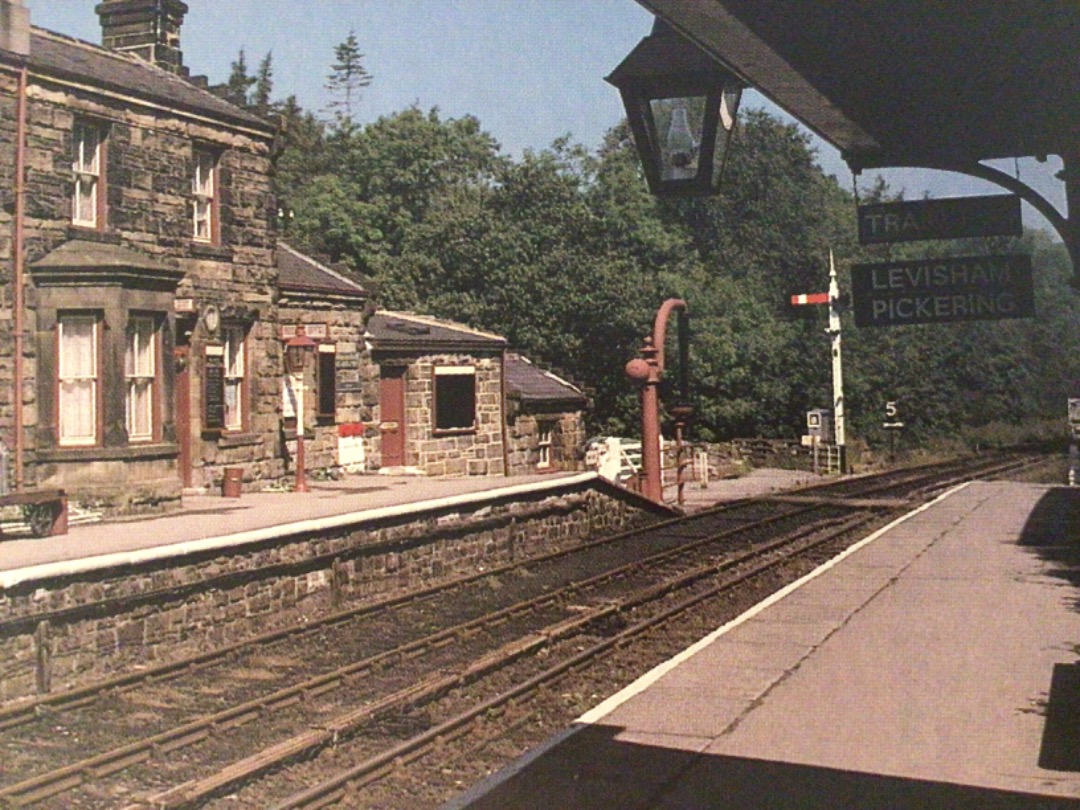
(149, 29)
(14, 27)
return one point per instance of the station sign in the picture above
(965, 288)
(954, 218)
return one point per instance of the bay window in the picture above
(140, 371)
(78, 384)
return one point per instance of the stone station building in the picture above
(138, 260)
(146, 300)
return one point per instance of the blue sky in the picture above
(530, 70)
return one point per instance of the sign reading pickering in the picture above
(966, 288)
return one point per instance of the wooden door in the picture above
(392, 413)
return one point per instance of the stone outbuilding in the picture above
(545, 419)
(441, 396)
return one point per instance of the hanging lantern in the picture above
(297, 348)
(681, 105)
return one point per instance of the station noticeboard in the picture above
(964, 288)
(953, 218)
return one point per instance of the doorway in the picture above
(392, 413)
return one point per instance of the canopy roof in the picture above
(919, 82)
(916, 83)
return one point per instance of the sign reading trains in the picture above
(994, 215)
(966, 288)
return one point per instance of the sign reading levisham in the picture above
(955, 218)
(966, 288)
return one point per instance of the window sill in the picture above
(226, 440)
(133, 452)
(439, 434)
(208, 250)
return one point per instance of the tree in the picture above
(347, 76)
(240, 83)
(264, 85)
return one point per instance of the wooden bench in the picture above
(44, 510)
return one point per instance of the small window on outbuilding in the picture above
(327, 382)
(545, 436)
(455, 398)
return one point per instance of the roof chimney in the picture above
(14, 27)
(149, 29)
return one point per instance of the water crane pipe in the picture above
(647, 371)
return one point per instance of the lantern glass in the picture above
(294, 358)
(679, 123)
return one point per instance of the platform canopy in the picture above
(924, 83)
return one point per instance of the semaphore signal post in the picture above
(832, 298)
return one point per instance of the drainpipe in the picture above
(503, 418)
(15, 39)
(20, 270)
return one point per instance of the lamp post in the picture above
(681, 105)
(297, 348)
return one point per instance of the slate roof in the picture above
(529, 383)
(301, 273)
(398, 331)
(65, 57)
(79, 258)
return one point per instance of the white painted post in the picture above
(837, 363)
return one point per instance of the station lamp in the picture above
(297, 349)
(681, 105)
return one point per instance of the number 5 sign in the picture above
(892, 417)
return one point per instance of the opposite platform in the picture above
(934, 666)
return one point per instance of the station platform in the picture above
(206, 517)
(933, 665)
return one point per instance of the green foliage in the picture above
(567, 254)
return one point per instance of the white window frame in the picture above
(140, 372)
(77, 384)
(234, 337)
(87, 139)
(204, 183)
(545, 438)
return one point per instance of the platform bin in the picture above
(232, 484)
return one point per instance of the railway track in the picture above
(180, 735)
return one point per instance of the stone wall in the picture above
(56, 634)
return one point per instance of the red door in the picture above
(392, 412)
